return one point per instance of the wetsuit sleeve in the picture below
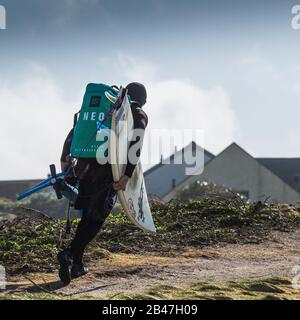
(67, 147)
(140, 120)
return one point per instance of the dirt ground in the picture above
(127, 273)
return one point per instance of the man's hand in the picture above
(121, 184)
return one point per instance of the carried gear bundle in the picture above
(99, 103)
(93, 122)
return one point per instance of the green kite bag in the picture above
(90, 131)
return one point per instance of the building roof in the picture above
(281, 172)
(172, 156)
(160, 179)
(21, 181)
(288, 169)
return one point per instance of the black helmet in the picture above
(137, 92)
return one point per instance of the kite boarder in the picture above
(96, 187)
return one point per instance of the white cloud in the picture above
(180, 104)
(33, 124)
(296, 90)
(35, 115)
(292, 143)
(133, 68)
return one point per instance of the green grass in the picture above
(272, 288)
(31, 242)
(257, 289)
(42, 296)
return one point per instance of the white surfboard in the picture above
(134, 199)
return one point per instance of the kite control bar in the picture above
(60, 186)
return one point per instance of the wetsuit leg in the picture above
(93, 218)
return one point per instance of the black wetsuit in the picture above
(96, 194)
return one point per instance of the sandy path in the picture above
(137, 273)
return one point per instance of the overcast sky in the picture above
(228, 67)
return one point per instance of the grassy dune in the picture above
(31, 241)
(264, 289)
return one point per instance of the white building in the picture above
(258, 179)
